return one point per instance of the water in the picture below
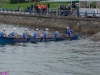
(81, 57)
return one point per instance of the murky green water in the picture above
(81, 57)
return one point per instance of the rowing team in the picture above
(36, 33)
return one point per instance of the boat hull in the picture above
(4, 40)
(11, 40)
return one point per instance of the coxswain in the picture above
(69, 32)
(14, 33)
(37, 34)
(3, 33)
(57, 34)
(26, 34)
(47, 34)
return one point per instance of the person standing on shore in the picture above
(68, 32)
(3, 33)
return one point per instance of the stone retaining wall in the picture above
(78, 24)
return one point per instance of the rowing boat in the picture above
(11, 40)
(34, 40)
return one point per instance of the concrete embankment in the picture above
(95, 37)
(77, 24)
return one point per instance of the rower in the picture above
(37, 34)
(57, 34)
(69, 32)
(26, 34)
(14, 33)
(3, 33)
(47, 34)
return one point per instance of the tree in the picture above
(23, 1)
(17, 1)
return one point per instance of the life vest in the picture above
(39, 6)
(55, 34)
(24, 35)
(35, 35)
(45, 34)
(43, 6)
(69, 32)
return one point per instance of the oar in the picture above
(34, 42)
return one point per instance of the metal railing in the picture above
(54, 12)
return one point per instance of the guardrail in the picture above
(41, 12)
(53, 12)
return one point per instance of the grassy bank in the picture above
(4, 1)
(6, 4)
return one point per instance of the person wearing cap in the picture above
(47, 34)
(3, 33)
(26, 34)
(69, 32)
(57, 34)
(36, 34)
(14, 33)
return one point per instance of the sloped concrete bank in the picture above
(95, 37)
(78, 24)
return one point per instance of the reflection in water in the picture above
(81, 57)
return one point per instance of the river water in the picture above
(81, 57)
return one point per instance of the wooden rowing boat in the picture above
(33, 40)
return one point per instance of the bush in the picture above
(17, 1)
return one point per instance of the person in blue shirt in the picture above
(57, 34)
(36, 34)
(69, 32)
(26, 34)
(14, 33)
(47, 34)
(3, 33)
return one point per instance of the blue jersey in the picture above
(69, 32)
(2, 34)
(55, 34)
(13, 34)
(24, 35)
(35, 35)
(45, 34)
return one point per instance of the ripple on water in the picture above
(81, 57)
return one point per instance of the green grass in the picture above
(6, 4)
(4, 1)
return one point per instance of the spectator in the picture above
(19, 9)
(31, 7)
(74, 5)
(62, 7)
(39, 8)
(0, 8)
(35, 8)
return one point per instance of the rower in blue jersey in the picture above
(37, 34)
(3, 33)
(47, 34)
(69, 32)
(26, 34)
(57, 34)
(14, 33)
